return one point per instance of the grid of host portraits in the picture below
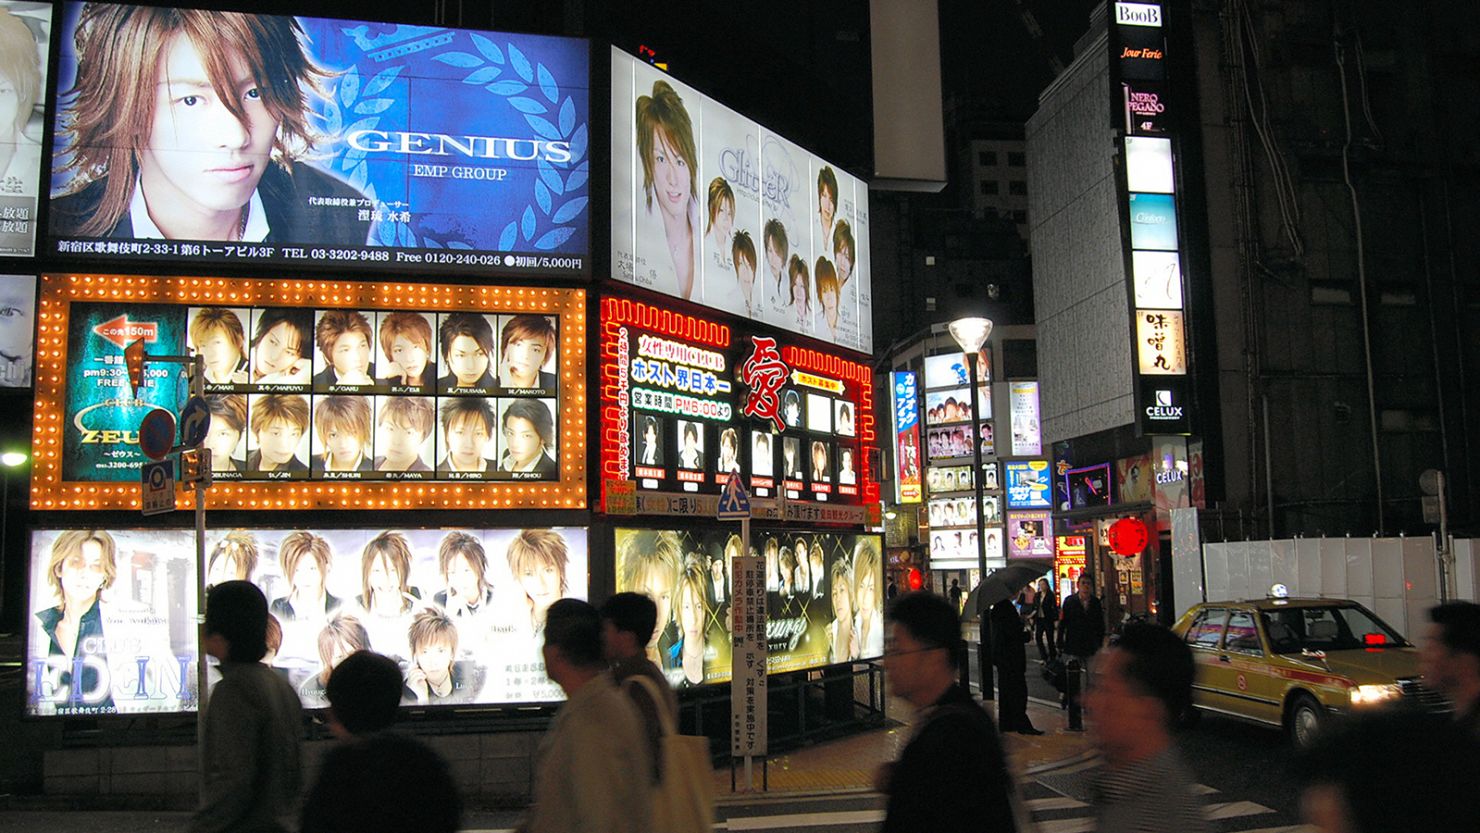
(350, 394)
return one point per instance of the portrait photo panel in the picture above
(344, 359)
(406, 351)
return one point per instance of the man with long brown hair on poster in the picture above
(187, 124)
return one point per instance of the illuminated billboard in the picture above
(25, 42)
(399, 394)
(710, 207)
(1028, 484)
(373, 146)
(824, 597)
(1160, 348)
(906, 398)
(17, 327)
(458, 610)
(685, 402)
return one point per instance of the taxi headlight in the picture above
(1370, 695)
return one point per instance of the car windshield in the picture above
(1330, 628)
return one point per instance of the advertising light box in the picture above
(375, 145)
(1027, 436)
(824, 598)
(1160, 347)
(1029, 535)
(958, 549)
(25, 41)
(710, 207)
(17, 327)
(685, 402)
(390, 392)
(1153, 222)
(459, 610)
(906, 398)
(1158, 279)
(1028, 484)
(1148, 164)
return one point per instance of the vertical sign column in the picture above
(748, 658)
(1159, 327)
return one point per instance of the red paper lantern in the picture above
(1129, 536)
(914, 579)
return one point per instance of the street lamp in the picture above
(8, 460)
(970, 334)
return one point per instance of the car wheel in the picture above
(1306, 717)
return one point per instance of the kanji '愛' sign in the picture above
(764, 373)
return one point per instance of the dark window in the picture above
(1020, 358)
(990, 187)
(1016, 159)
(1018, 188)
(1329, 293)
(1020, 217)
(1400, 421)
(986, 158)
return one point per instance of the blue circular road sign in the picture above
(195, 422)
(157, 434)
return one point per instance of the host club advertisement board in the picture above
(710, 207)
(409, 394)
(111, 615)
(824, 603)
(224, 137)
(687, 401)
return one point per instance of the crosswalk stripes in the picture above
(1059, 805)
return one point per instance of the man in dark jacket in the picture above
(952, 776)
(1010, 655)
(1081, 625)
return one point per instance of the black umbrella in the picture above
(1005, 582)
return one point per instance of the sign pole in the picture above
(744, 536)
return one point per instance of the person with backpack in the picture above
(682, 798)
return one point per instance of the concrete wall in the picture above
(1079, 291)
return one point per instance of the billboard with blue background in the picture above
(380, 145)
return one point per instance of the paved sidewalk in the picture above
(850, 763)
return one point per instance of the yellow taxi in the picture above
(1291, 663)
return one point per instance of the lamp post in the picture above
(970, 334)
(8, 460)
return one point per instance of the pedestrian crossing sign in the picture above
(734, 501)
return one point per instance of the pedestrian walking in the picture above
(893, 591)
(1081, 631)
(627, 624)
(376, 780)
(952, 776)
(250, 766)
(593, 769)
(1451, 661)
(1143, 685)
(955, 594)
(1010, 656)
(1045, 619)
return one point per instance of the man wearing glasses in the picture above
(952, 775)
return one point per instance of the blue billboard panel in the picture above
(372, 145)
